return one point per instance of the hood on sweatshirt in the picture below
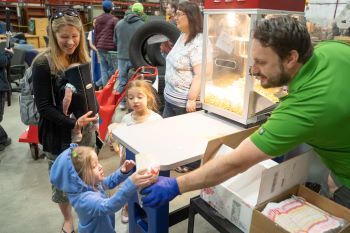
(132, 17)
(64, 176)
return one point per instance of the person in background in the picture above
(67, 45)
(315, 111)
(141, 99)
(183, 67)
(78, 172)
(95, 63)
(123, 32)
(107, 50)
(183, 63)
(5, 87)
(170, 12)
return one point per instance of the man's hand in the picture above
(160, 193)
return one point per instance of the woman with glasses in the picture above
(183, 66)
(66, 46)
(170, 12)
(183, 63)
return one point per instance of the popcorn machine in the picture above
(227, 88)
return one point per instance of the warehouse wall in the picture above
(321, 12)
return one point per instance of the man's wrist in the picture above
(176, 186)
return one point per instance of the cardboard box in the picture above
(237, 197)
(262, 224)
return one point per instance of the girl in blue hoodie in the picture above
(79, 174)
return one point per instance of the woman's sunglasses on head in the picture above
(60, 14)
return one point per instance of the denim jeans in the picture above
(171, 110)
(124, 66)
(109, 64)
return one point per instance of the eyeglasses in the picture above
(60, 14)
(179, 14)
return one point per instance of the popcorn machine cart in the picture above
(227, 88)
(231, 99)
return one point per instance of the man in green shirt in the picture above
(316, 111)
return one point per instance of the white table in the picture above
(172, 142)
(175, 141)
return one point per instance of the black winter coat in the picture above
(54, 127)
(5, 58)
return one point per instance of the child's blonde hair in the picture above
(148, 90)
(81, 158)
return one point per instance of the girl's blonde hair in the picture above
(81, 158)
(148, 90)
(80, 54)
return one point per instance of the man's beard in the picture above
(277, 81)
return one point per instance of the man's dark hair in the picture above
(107, 10)
(173, 5)
(194, 16)
(284, 34)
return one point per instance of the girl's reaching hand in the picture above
(142, 178)
(127, 166)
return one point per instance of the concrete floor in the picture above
(25, 192)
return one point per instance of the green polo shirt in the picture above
(316, 111)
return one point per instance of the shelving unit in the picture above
(33, 12)
(13, 15)
(23, 11)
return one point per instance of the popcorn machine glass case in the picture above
(227, 88)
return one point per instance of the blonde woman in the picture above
(67, 46)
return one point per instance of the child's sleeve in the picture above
(93, 204)
(116, 178)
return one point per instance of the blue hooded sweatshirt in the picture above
(95, 208)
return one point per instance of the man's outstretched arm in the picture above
(212, 173)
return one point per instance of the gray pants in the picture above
(3, 134)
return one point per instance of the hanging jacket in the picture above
(94, 207)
